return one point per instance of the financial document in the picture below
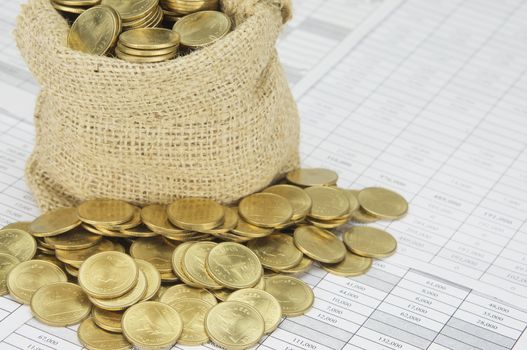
(425, 97)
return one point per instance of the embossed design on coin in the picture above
(234, 325)
(234, 266)
(154, 250)
(194, 264)
(295, 296)
(95, 31)
(18, 243)
(262, 301)
(192, 312)
(60, 304)
(108, 274)
(93, 337)
(7, 263)
(276, 251)
(27, 277)
(152, 324)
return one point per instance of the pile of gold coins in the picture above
(193, 271)
(101, 24)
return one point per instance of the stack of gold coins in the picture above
(73, 7)
(138, 13)
(202, 266)
(174, 9)
(147, 45)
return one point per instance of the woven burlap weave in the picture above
(218, 123)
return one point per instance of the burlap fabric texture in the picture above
(219, 123)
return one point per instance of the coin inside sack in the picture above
(202, 28)
(95, 31)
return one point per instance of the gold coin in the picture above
(27, 277)
(276, 251)
(352, 198)
(222, 294)
(108, 275)
(144, 59)
(319, 244)
(308, 177)
(152, 324)
(7, 263)
(133, 222)
(149, 39)
(295, 296)
(51, 258)
(352, 265)
(265, 209)
(78, 238)
(229, 223)
(194, 265)
(68, 9)
(177, 263)
(304, 266)
(105, 212)
(126, 300)
(234, 325)
(18, 243)
(383, 203)
(153, 278)
(370, 242)
(44, 250)
(140, 231)
(20, 225)
(262, 301)
(154, 250)
(196, 213)
(243, 228)
(94, 338)
(297, 197)
(60, 304)
(202, 28)
(108, 320)
(184, 292)
(131, 10)
(169, 277)
(55, 222)
(192, 312)
(77, 257)
(155, 217)
(95, 31)
(72, 270)
(260, 284)
(234, 266)
(327, 224)
(328, 203)
(363, 217)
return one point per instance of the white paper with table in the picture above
(425, 97)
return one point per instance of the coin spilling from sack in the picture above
(143, 31)
(195, 270)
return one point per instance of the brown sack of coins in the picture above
(154, 100)
(196, 270)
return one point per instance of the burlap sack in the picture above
(219, 123)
